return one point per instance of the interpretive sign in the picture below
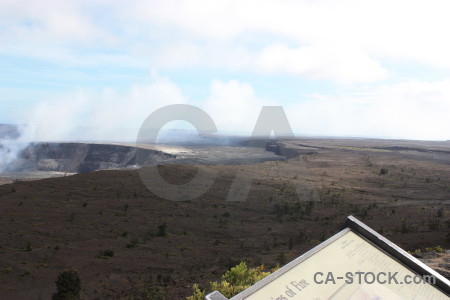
(356, 263)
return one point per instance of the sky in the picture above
(81, 70)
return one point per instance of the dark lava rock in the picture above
(425, 255)
(84, 157)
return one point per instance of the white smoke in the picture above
(91, 116)
(11, 146)
(106, 115)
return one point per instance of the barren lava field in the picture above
(399, 188)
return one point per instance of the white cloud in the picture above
(333, 62)
(62, 22)
(364, 32)
(411, 110)
(346, 41)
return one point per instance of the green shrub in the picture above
(28, 247)
(437, 249)
(233, 281)
(106, 253)
(162, 230)
(198, 293)
(68, 286)
(132, 243)
(384, 171)
(434, 224)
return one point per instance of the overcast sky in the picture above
(339, 68)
